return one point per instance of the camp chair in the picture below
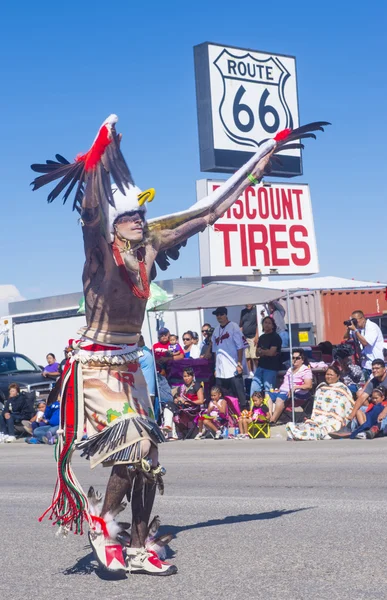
(234, 412)
(256, 430)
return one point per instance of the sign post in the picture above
(244, 97)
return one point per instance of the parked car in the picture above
(17, 368)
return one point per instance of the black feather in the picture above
(162, 258)
(61, 159)
(112, 165)
(291, 147)
(71, 176)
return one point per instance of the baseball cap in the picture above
(163, 331)
(221, 310)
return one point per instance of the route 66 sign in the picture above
(244, 97)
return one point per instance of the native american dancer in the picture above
(102, 382)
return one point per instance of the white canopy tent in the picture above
(234, 293)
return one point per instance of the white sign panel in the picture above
(244, 97)
(269, 229)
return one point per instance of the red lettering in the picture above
(287, 205)
(277, 245)
(244, 246)
(255, 246)
(299, 261)
(263, 203)
(298, 193)
(238, 214)
(226, 230)
(251, 214)
(275, 210)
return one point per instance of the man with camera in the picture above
(369, 336)
(205, 346)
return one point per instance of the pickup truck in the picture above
(17, 368)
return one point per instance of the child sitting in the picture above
(214, 417)
(369, 425)
(257, 414)
(37, 420)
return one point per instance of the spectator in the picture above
(195, 337)
(162, 352)
(179, 414)
(332, 404)
(277, 312)
(174, 345)
(45, 434)
(190, 349)
(36, 420)
(379, 372)
(249, 328)
(370, 420)
(148, 368)
(205, 346)
(16, 409)
(228, 344)
(351, 375)
(369, 336)
(302, 376)
(257, 414)
(215, 417)
(269, 361)
(52, 369)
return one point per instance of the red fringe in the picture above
(282, 135)
(93, 156)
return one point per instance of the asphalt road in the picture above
(252, 519)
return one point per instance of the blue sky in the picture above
(66, 66)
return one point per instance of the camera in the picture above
(350, 322)
(210, 331)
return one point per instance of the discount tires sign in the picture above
(268, 230)
(244, 97)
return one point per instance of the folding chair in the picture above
(234, 412)
(257, 430)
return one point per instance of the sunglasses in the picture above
(296, 357)
(187, 339)
(204, 330)
(129, 218)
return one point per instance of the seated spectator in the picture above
(369, 422)
(302, 385)
(333, 402)
(257, 414)
(16, 409)
(185, 405)
(36, 420)
(351, 375)
(45, 434)
(215, 417)
(52, 369)
(379, 378)
(195, 337)
(161, 350)
(191, 350)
